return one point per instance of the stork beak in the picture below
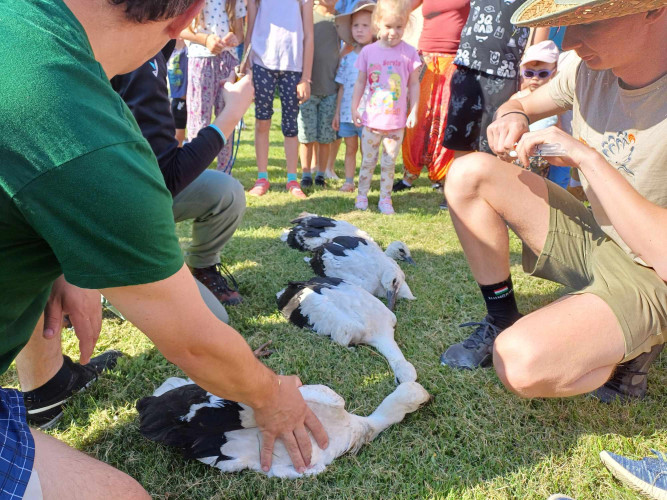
(410, 260)
(392, 295)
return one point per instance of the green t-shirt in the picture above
(80, 189)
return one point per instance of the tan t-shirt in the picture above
(628, 127)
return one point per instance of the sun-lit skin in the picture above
(390, 29)
(600, 46)
(535, 82)
(362, 27)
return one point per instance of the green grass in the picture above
(473, 441)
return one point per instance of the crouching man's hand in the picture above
(287, 417)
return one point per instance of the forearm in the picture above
(173, 315)
(250, 21)
(190, 36)
(221, 362)
(413, 96)
(308, 50)
(181, 166)
(339, 100)
(640, 223)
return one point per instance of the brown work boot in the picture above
(629, 380)
(211, 277)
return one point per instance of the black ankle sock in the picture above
(500, 302)
(56, 383)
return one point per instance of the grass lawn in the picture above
(474, 440)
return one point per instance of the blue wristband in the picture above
(224, 139)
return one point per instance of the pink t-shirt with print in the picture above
(386, 95)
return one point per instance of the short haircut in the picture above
(143, 11)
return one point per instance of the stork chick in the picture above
(348, 314)
(358, 261)
(224, 434)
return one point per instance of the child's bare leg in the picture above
(306, 155)
(262, 128)
(291, 153)
(333, 153)
(351, 148)
(322, 157)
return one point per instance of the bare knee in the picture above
(467, 174)
(517, 363)
(263, 126)
(351, 146)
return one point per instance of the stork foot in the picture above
(262, 351)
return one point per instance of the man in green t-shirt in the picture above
(84, 203)
(605, 334)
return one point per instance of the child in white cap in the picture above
(538, 66)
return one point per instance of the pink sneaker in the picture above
(361, 203)
(386, 207)
(260, 188)
(347, 188)
(295, 190)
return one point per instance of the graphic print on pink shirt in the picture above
(387, 71)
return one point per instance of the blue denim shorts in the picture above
(348, 129)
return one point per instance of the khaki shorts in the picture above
(578, 254)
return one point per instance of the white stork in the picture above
(224, 434)
(358, 261)
(348, 314)
(311, 231)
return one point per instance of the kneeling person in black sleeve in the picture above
(213, 200)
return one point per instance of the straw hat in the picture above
(344, 21)
(538, 13)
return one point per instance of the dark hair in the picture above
(143, 11)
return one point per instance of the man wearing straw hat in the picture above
(605, 333)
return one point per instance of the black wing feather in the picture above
(161, 420)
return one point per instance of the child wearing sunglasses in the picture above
(538, 66)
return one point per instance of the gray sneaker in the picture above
(629, 381)
(647, 476)
(477, 350)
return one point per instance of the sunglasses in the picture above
(541, 74)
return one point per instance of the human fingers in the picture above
(305, 446)
(294, 451)
(316, 429)
(533, 143)
(266, 454)
(53, 318)
(85, 332)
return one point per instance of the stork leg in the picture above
(404, 371)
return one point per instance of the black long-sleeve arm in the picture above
(145, 92)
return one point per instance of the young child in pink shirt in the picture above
(389, 81)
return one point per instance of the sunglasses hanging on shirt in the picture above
(541, 74)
